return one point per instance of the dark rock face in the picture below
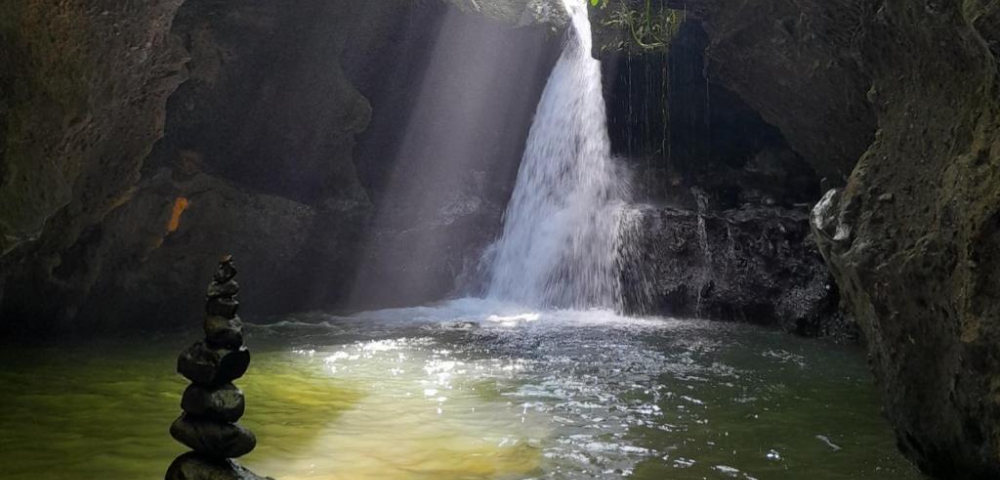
(192, 466)
(83, 89)
(680, 128)
(290, 159)
(756, 264)
(795, 62)
(913, 237)
(439, 190)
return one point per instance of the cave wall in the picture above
(678, 129)
(83, 87)
(795, 62)
(441, 155)
(912, 238)
(721, 226)
(755, 264)
(106, 227)
(903, 95)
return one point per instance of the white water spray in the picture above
(559, 243)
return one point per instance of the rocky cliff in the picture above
(290, 160)
(903, 95)
(723, 231)
(83, 87)
(795, 62)
(753, 264)
(280, 144)
(912, 238)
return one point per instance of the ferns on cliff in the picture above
(645, 27)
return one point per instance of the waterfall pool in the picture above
(467, 390)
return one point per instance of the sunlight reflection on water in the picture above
(448, 392)
(481, 389)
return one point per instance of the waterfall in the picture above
(559, 242)
(706, 250)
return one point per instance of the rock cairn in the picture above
(212, 404)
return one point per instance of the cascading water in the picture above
(559, 243)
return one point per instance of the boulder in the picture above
(208, 366)
(193, 466)
(211, 438)
(222, 307)
(225, 403)
(226, 270)
(223, 332)
(913, 239)
(223, 290)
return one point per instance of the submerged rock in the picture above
(193, 466)
(213, 438)
(205, 365)
(225, 403)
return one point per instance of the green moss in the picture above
(648, 27)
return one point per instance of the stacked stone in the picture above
(212, 404)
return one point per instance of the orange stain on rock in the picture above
(180, 205)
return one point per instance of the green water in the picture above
(457, 392)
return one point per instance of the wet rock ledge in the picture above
(755, 264)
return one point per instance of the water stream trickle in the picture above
(560, 235)
(706, 251)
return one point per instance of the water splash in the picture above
(560, 238)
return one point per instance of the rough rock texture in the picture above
(193, 466)
(213, 439)
(268, 105)
(679, 130)
(913, 237)
(755, 264)
(682, 133)
(518, 12)
(148, 259)
(795, 62)
(275, 157)
(225, 403)
(222, 331)
(208, 366)
(440, 174)
(83, 87)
